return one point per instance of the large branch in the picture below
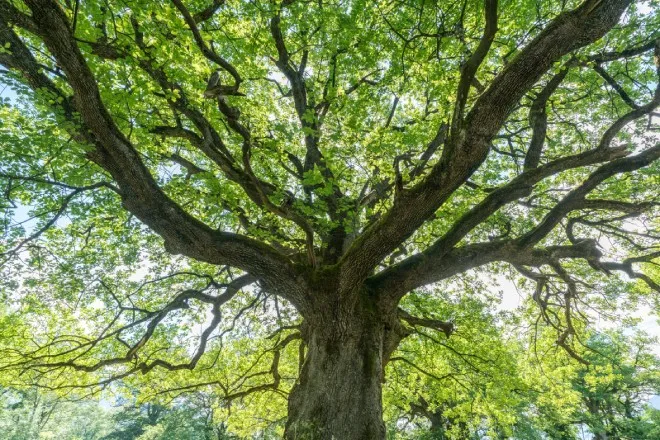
(522, 185)
(306, 114)
(432, 258)
(422, 269)
(574, 199)
(469, 69)
(310, 117)
(468, 150)
(139, 192)
(627, 267)
(444, 326)
(211, 144)
(538, 119)
(442, 260)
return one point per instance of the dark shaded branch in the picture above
(612, 82)
(627, 267)
(538, 119)
(214, 148)
(617, 205)
(310, 117)
(209, 53)
(469, 69)
(140, 193)
(12, 15)
(209, 11)
(519, 187)
(431, 265)
(460, 158)
(522, 185)
(574, 199)
(446, 327)
(626, 53)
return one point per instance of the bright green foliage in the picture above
(31, 415)
(191, 418)
(608, 398)
(463, 386)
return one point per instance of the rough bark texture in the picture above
(338, 394)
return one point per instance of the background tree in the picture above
(30, 414)
(463, 387)
(343, 155)
(27, 414)
(184, 418)
(608, 398)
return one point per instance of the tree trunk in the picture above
(339, 393)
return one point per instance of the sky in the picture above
(6, 91)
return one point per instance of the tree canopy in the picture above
(279, 199)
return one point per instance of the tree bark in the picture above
(339, 393)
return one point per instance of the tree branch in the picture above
(446, 327)
(206, 51)
(310, 119)
(209, 11)
(538, 119)
(460, 158)
(140, 194)
(574, 199)
(469, 69)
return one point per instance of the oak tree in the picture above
(321, 160)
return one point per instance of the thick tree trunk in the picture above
(338, 395)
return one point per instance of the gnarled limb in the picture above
(140, 194)
(566, 33)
